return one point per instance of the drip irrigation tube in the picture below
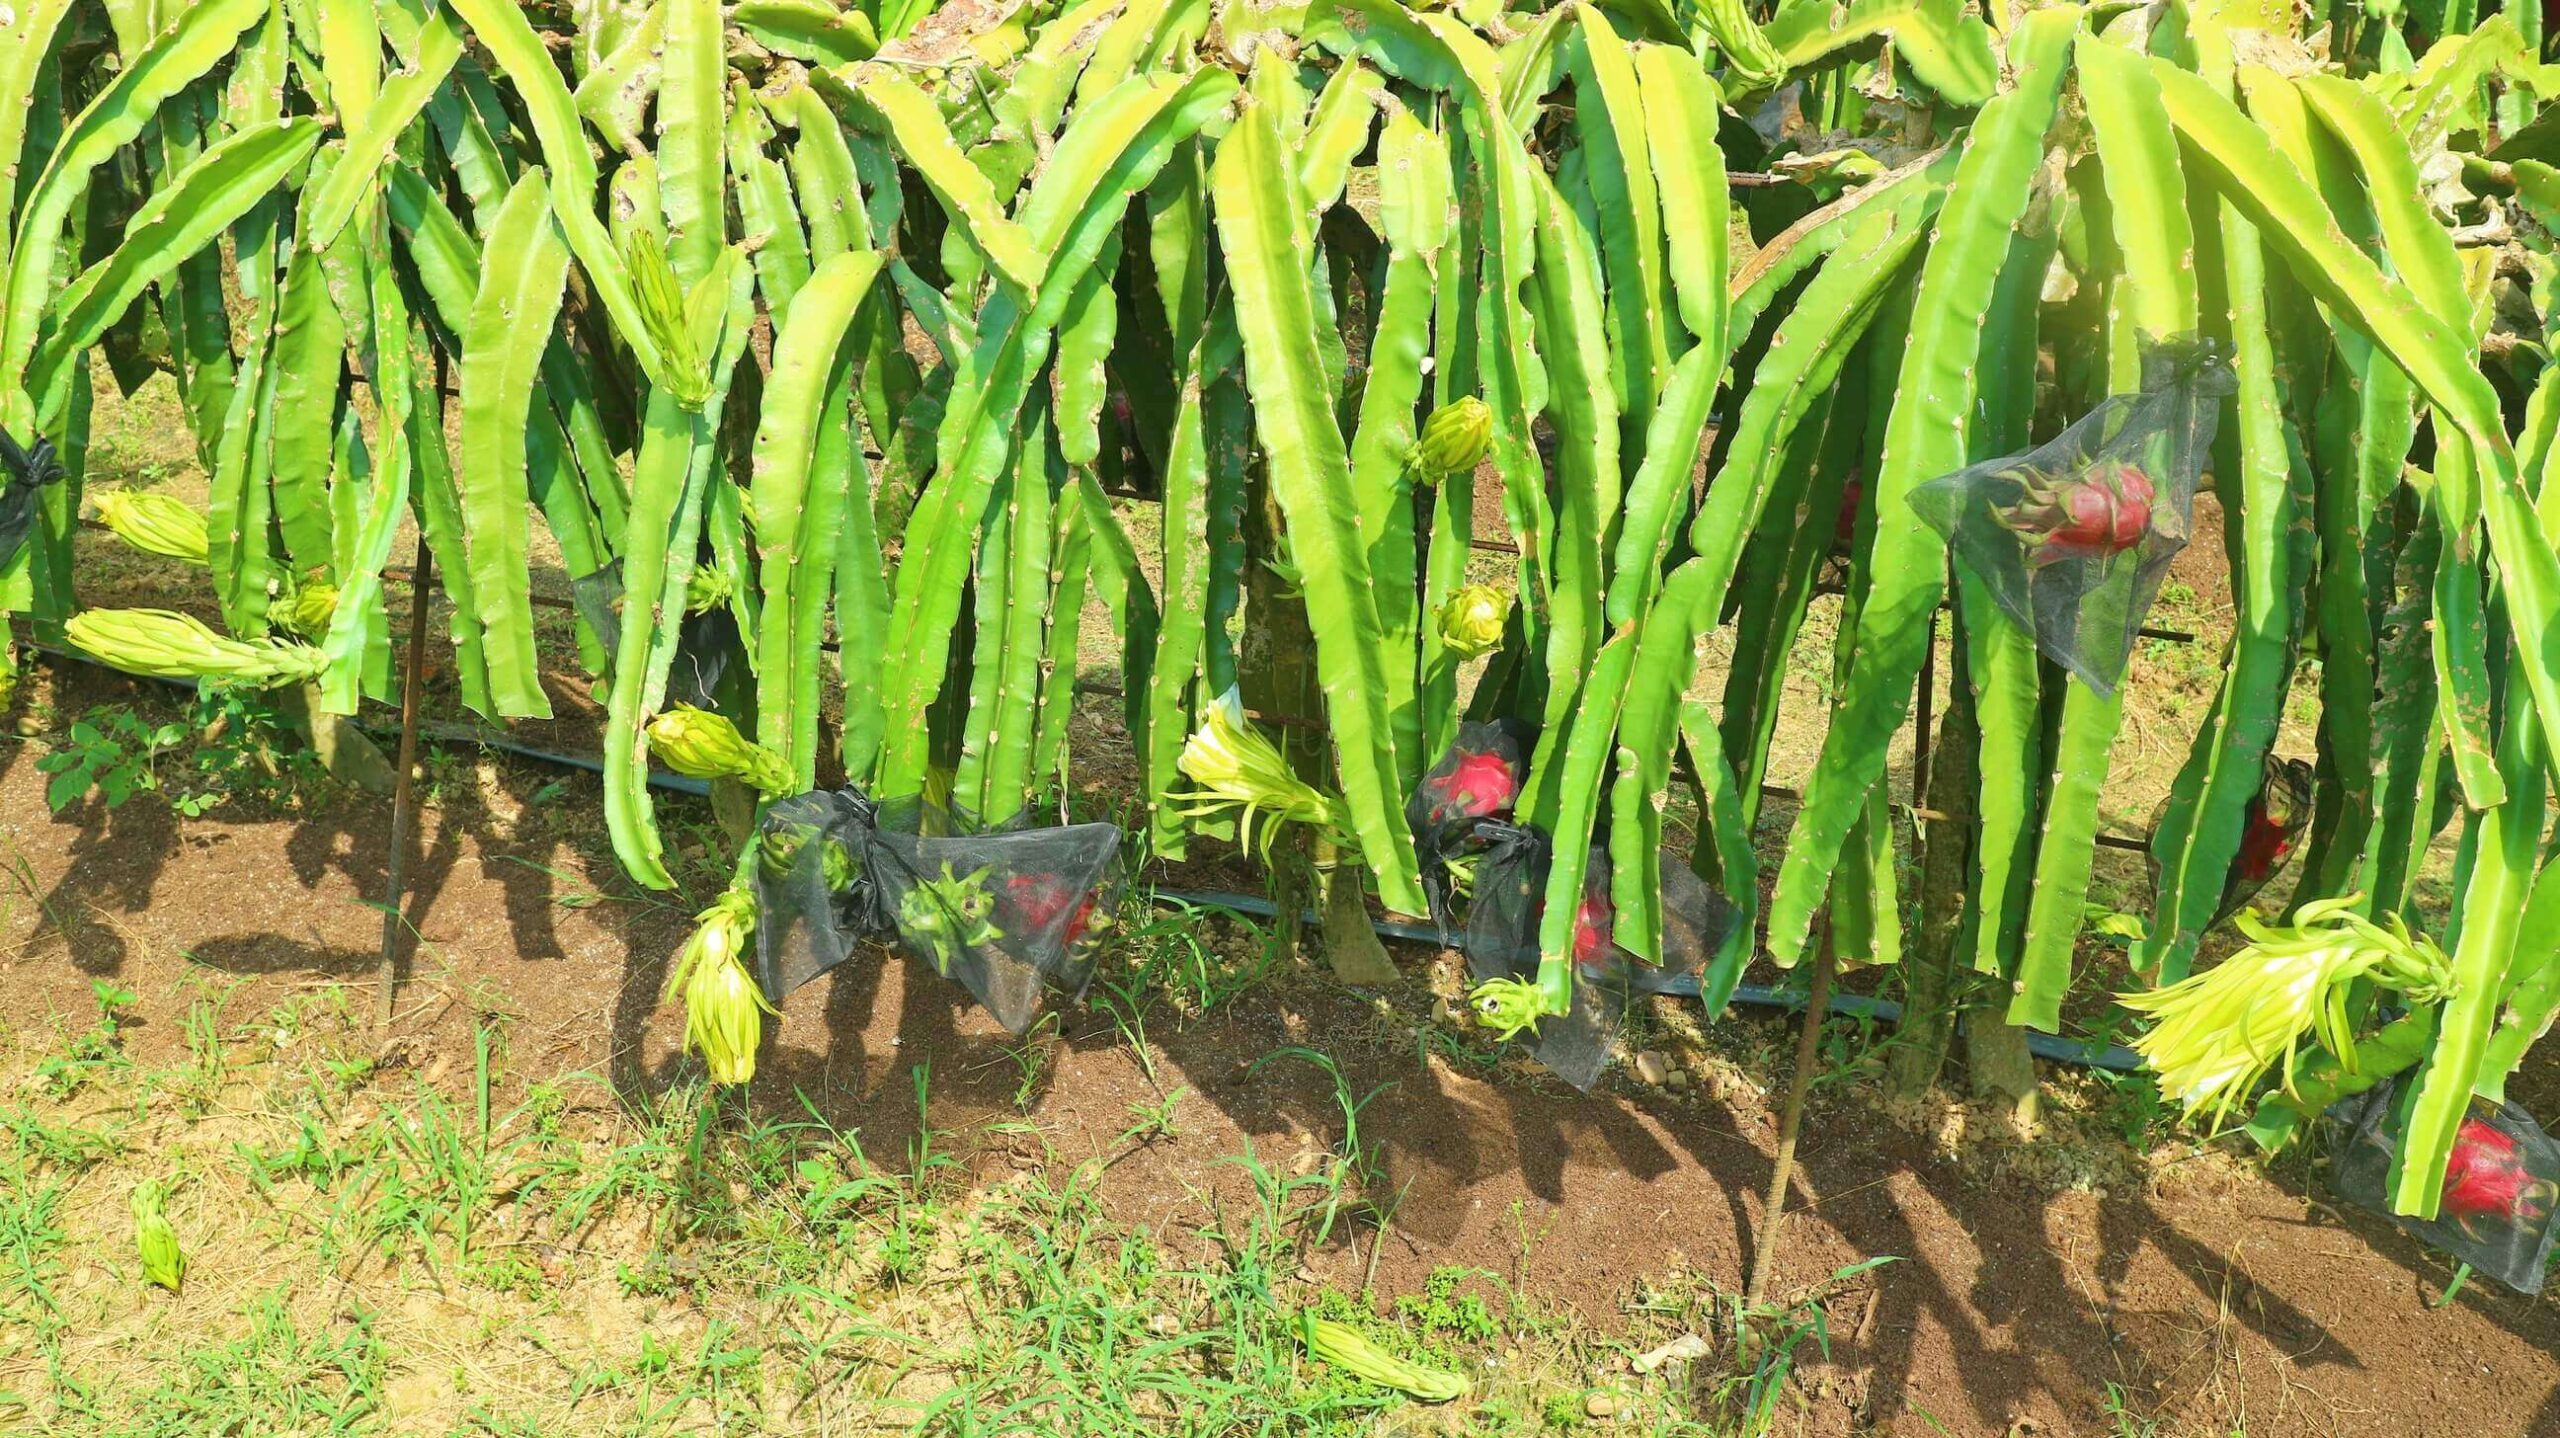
(2114, 1058)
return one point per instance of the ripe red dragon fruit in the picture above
(1592, 928)
(1478, 785)
(2486, 1178)
(2264, 841)
(2103, 511)
(1039, 898)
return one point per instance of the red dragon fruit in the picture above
(1478, 785)
(2486, 1179)
(1593, 927)
(2104, 511)
(1040, 898)
(2264, 842)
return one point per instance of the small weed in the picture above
(1154, 1118)
(112, 751)
(1356, 1178)
(2128, 1423)
(1776, 1331)
(1447, 1313)
(232, 745)
(311, 1159)
(69, 1148)
(30, 1243)
(92, 1055)
(1030, 1056)
(1173, 956)
(276, 1378)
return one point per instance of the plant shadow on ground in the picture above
(373, 1252)
(2036, 1297)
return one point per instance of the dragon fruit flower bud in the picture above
(1454, 439)
(1471, 620)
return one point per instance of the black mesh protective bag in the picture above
(2501, 1186)
(1502, 943)
(1005, 913)
(1478, 778)
(2074, 536)
(706, 643)
(2270, 831)
(1700, 929)
(23, 472)
(2274, 823)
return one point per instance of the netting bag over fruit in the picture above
(1478, 778)
(1007, 914)
(2501, 1186)
(1502, 943)
(1699, 929)
(706, 642)
(23, 473)
(2276, 817)
(2074, 536)
(2270, 832)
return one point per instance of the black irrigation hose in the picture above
(2114, 1058)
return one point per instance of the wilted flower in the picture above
(170, 645)
(154, 524)
(703, 745)
(723, 1008)
(156, 1239)
(1233, 764)
(1454, 439)
(1471, 620)
(2221, 1030)
(2103, 511)
(1346, 1348)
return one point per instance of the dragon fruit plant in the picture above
(1140, 234)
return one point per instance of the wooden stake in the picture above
(403, 789)
(1773, 1211)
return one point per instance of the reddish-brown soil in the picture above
(2204, 1289)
